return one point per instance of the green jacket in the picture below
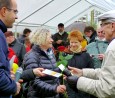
(95, 48)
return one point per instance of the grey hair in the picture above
(39, 36)
(5, 3)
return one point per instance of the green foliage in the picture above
(64, 62)
(64, 59)
(68, 57)
(61, 56)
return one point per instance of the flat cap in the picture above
(107, 16)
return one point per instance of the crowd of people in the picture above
(89, 72)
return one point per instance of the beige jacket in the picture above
(100, 82)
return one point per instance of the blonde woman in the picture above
(41, 55)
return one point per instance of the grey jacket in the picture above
(19, 49)
(95, 48)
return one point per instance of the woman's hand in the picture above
(61, 89)
(38, 72)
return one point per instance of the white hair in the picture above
(39, 36)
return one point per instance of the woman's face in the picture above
(49, 41)
(74, 44)
(88, 34)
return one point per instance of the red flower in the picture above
(61, 48)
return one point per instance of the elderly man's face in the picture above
(107, 29)
(100, 34)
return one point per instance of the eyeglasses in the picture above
(101, 32)
(15, 11)
(104, 24)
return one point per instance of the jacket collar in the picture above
(3, 27)
(39, 50)
(98, 40)
(12, 44)
(62, 33)
(36, 48)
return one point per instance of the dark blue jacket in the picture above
(79, 60)
(44, 86)
(7, 85)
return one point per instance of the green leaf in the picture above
(58, 63)
(64, 62)
(60, 56)
(68, 57)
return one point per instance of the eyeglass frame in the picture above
(101, 32)
(15, 11)
(104, 24)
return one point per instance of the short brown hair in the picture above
(88, 28)
(26, 30)
(9, 33)
(5, 3)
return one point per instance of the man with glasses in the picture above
(99, 82)
(8, 87)
(8, 14)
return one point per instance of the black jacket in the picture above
(81, 60)
(92, 38)
(41, 87)
(62, 37)
(27, 75)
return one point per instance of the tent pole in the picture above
(15, 34)
(61, 12)
(78, 14)
(35, 11)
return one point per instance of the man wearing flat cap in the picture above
(99, 82)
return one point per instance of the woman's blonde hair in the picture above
(75, 34)
(39, 36)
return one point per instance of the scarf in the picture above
(79, 49)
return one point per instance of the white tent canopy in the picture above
(33, 13)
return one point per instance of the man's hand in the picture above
(38, 72)
(61, 89)
(18, 88)
(101, 56)
(12, 74)
(72, 82)
(59, 41)
(76, 71)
